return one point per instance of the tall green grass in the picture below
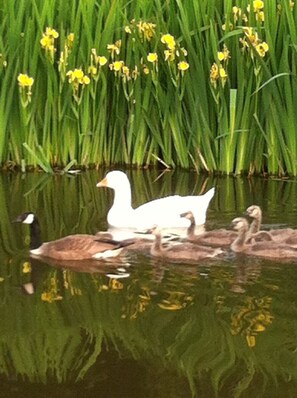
(243, 122)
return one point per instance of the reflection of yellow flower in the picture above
(115, 284)
(26, 267)
(251, 341)
(251, 318)
(51, 292)
(50, 297)
(152, 57)
(183, 65)
(25, 81)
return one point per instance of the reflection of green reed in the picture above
(47, 342)
(62, 339)
(172, 317)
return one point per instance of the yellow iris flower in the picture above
(25, 80)
(183, 65)
(152, 57)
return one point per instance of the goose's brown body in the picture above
(72, 247)
(75, 247)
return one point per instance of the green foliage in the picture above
(78, 84)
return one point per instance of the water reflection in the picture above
(225, 328)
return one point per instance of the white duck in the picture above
(164, 212)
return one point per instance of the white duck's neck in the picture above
(122, 196)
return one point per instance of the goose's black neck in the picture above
(35, 235)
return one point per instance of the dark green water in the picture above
(216, 329)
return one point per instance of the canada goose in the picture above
(218, 237)
(163, 212)
(272, 250)
(72, 247)
(284, 235)
(182, 251)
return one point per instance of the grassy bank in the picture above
(209, 84)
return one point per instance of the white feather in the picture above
(29, 219)
(164, 212)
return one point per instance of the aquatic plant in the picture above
(209, 85)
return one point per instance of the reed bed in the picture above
(209, 85)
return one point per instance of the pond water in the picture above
(225, 328)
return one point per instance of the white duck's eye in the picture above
(29, 219)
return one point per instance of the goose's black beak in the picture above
(17, 219)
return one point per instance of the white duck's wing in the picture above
(165, 212)
(198, 205)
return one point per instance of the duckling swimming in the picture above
(269, 249)
(217, 238)
(284, 235)
(182, 251)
